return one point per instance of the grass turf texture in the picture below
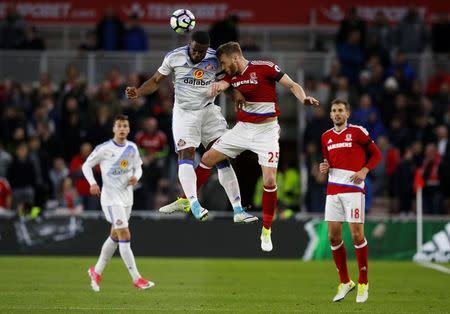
(61, 284)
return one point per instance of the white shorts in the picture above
(194, 127)
(348, 207)
(117, 216)
(261, 139)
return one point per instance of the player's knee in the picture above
(223, 164)
(187, 153)
(207, 160)
(335, 239)
(123, 234)
(270, 181)
(357, 236)
(114, 236)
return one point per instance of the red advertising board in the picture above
(279, 13)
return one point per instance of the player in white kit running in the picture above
(196, 120)
(120, 165)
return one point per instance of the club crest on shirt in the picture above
(348, 137)
(198, 74)
(181, 143)
(123, 163)
(119, 222)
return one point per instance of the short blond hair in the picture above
(228, 49)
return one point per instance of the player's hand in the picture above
(359, 176)
(133, 180)
(324, 166)
(215, 89)
(94, 190)
(310, 101)
(131, 92)
(238, 99)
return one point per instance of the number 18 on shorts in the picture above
(348, 207)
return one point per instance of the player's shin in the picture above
(228, 179)
(269, 205)
(340, 259)
(362, 255)
(202, 173)
(188, 179)
(108, 249)
(128, 258)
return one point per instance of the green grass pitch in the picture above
(61, 284)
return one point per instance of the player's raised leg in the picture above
(228, 179)
(188, 180)
(362, 253)
(108, 249)
(340, 259)
(202, 173)
(269, 206)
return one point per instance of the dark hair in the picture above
(200, 37)
(120, 117)
(228, 49)
(338, 101)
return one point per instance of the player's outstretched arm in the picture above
(218, 87)
(298, 91)
(147, 88)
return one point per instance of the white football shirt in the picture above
(118, 163)
(191, 81)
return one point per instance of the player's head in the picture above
(121, 127)
(340, 111)
(198, 46)
(228, 55)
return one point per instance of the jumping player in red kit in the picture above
(257, 128)
(345, 148)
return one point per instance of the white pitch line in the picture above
(434, 266)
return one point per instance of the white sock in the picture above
(128, 258)
(228, 179)
(108, 249)
(188, 180)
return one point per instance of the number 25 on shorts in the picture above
(273, 156)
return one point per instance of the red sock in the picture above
(340, 259)
(202, 174)
(362, 255)
(269, 205)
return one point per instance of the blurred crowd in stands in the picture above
(47, 129)
(409, 119)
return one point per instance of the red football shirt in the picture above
(257, 83)
(346, 154)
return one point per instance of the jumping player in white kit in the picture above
(120, 165)
(196, 120)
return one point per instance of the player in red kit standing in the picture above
(257, 128)
(345, 148)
